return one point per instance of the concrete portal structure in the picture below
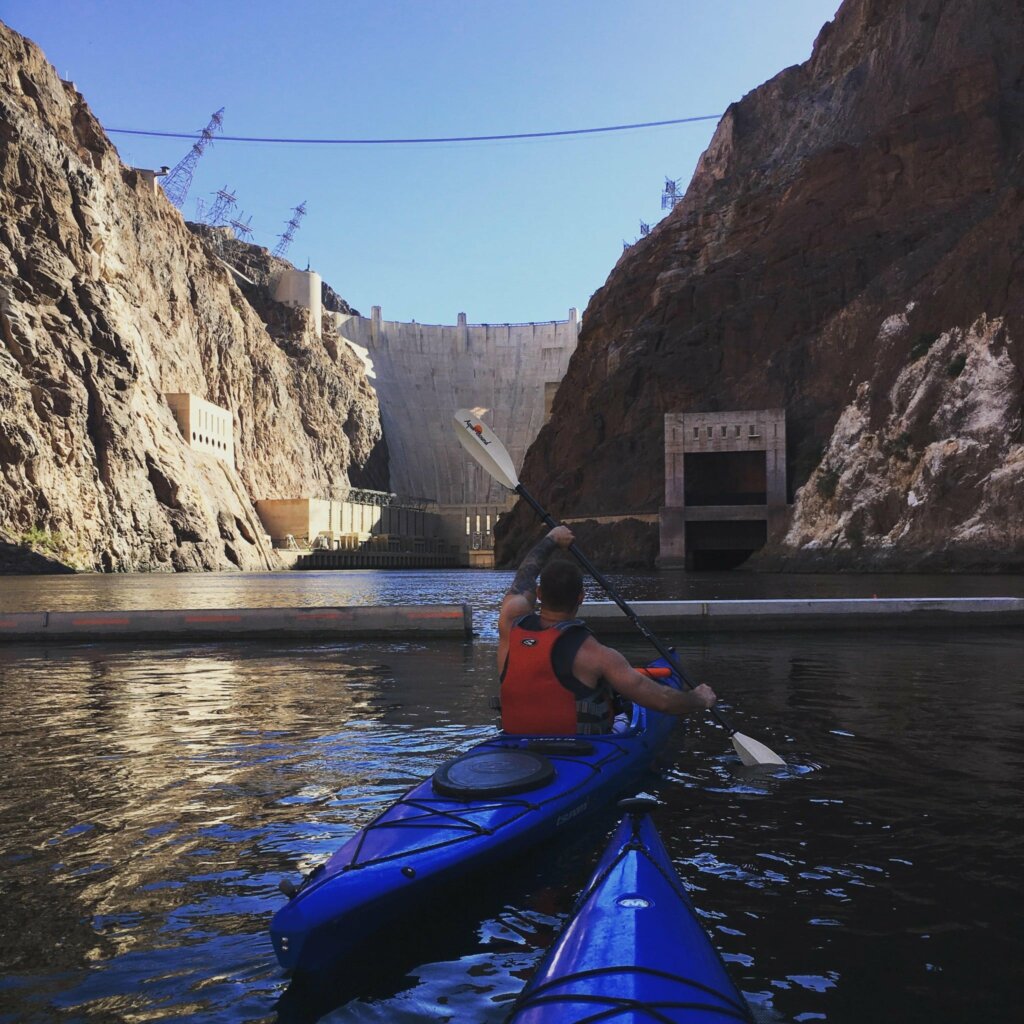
(422, 373)
(206, 427)
(725, 486)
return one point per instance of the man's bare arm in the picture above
(641, 689)
(521, 596)
(525, 581)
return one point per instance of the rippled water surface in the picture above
(153, 797)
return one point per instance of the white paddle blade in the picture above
(481, 442)
(753, 753)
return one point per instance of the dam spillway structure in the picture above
(422, 373)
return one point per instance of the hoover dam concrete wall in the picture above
(424, 372)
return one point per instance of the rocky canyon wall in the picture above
(108, 302)
(849, 249)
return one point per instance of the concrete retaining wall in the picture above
(678, 617)
(354, 623)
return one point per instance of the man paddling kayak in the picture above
(556, 678)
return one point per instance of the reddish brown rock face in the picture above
(880, 179)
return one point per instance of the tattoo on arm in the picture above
(529, 569)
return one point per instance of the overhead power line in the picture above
(404, 142)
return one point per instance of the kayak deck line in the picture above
(633, 947)
(356, 622)
(448, 813)
(605, 617)
(604, 1006)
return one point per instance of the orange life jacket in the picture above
(538, 698)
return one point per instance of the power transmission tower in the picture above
(243, 230)
(221, 205)
(671, 197)
(645, 230)
(177, 183)
(285, 239)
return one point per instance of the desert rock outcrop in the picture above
(108, 302)
(935, 480)
(851, 236)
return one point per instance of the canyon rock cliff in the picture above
(850, 250)
(107, 303)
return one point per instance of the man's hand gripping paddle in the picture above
(480, 441)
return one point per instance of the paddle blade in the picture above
(480, 441)
(753, 753)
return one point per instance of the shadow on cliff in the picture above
(15, 559)
(626, 544)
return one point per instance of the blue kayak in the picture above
(501, 797)
(633, 950)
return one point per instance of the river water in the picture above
(153, 797)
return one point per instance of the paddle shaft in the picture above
(664, 651)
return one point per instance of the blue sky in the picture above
(506, 231)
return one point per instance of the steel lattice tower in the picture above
(242, 227)
(177, 183)
(285, 238)
(671, 197)
(222, 204)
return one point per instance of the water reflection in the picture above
(153, 799)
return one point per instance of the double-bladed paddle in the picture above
(485, 447)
